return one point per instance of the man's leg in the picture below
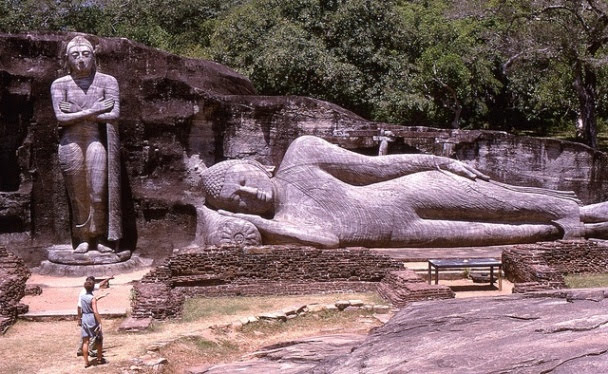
(79, 351)
(99, 346)
(85, 351)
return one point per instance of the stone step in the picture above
(67, 315)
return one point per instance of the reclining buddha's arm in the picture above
(275, 232)
(357, 169)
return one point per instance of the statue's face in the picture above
(81, 60)
(247, 189)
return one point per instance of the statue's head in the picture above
(241, 186)
(80, 56)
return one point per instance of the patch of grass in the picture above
(569, 133)
(312, 321)
(586, 280)
(211, 348)
(199, 308)
(192, 351)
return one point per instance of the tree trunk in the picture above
(585, 83)
(457, 112)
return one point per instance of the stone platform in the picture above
(423, 254)
(65, 254)
(51, 268)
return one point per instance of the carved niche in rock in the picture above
(86, 104)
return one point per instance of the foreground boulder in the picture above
(558, 332)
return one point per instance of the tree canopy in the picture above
(517, 65)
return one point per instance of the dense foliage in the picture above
(515, 65)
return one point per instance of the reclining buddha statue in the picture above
(326, 196)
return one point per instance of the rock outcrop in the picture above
(557, 332)
(177, 113)
(293, 357)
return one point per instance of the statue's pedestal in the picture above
(64, 254)
(62, 260)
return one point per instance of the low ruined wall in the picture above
(256, 271)
(534, 265)
(405, 286)
(13, 275)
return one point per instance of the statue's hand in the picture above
(463, 170)
(68, 107)
(103, 105)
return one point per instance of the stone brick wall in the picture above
(402, 287)
(13, 275)
(255, 271)
(543, 265)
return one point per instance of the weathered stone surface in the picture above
(558, 332)
(97, 270)
(217, 229)
(291, 357)
(405, 286)
(135, 324)
(155, 300)
(33, 290)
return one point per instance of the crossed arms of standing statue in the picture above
(105, 109)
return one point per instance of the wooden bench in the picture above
(460, 263)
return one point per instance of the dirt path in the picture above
(61, 293)
(50, 347)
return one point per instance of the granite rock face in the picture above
(536, 333)
(177, 113)
(289, 358)
(556, 332)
